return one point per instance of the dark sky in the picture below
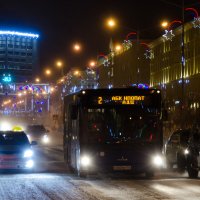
(62, 22)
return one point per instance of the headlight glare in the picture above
(85, 161)
(186, 151)
(45, 139)
(28, 153)
(158, 161)
(29, 164)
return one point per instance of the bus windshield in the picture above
(119, 125)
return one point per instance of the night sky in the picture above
(60, 23)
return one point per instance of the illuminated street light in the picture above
(111, 22)
(48, 72)
(165, 24)
(118, 47)
(77, 47)
(77, 72)
(59, 64)
(37, 80)
(92, 63)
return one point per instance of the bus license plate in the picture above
(122, 168)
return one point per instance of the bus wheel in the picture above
(192, 167)
(149, 174)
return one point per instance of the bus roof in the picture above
(116, 90)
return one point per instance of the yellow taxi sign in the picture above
(17, 128)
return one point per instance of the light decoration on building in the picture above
(15, 33)
(33, 89)
(196, 21)
(169, 33)
(141, 85)
(127, 44)
(148, 52)
(7, 78)
(106, 61)
(130, 34)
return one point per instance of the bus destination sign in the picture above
(122, 99)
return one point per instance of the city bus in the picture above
(113, 130)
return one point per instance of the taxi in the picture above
(15, 150)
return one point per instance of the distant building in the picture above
(166, 74)
(123, 68)
(18, 56)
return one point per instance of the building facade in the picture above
(172, 67)
(123, 68)
(18, 56)
(180, 86)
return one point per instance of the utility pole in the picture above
(183, 65)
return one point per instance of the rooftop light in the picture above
(19, 34)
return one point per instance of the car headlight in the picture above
(85, 161)
(28, 153)
(45, 139)
(29, 164)
(186, 151)
(158, 161)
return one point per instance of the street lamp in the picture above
(118, 47)
(92, 64)
(111, 22)
(164, 24)
(37, 80)
(59, 64)
(48, 72)
(77, 47)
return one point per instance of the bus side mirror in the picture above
(74, 112)
(164, 115)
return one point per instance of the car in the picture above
(175, 148)
(15, 151)
(38, 133)
(182, 153)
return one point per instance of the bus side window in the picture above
(74, 112)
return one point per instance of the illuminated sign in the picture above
(7, 79)
(124, 100)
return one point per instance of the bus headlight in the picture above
(29, 164)
(158, 161)
(85, 161)
(45, 139)
(28, 153)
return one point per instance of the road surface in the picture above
(52, 181)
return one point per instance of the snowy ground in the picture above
(52, 181)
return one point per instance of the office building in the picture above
(18, 56)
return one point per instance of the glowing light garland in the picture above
(148, 52)
(19, 34)
(196, 21)
(168, 33)
(129, 34)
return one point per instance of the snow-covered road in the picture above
(51, 180)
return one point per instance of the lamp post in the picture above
(59, 64)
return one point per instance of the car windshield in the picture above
(12, 138)
(36, 129)
(121, 125)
